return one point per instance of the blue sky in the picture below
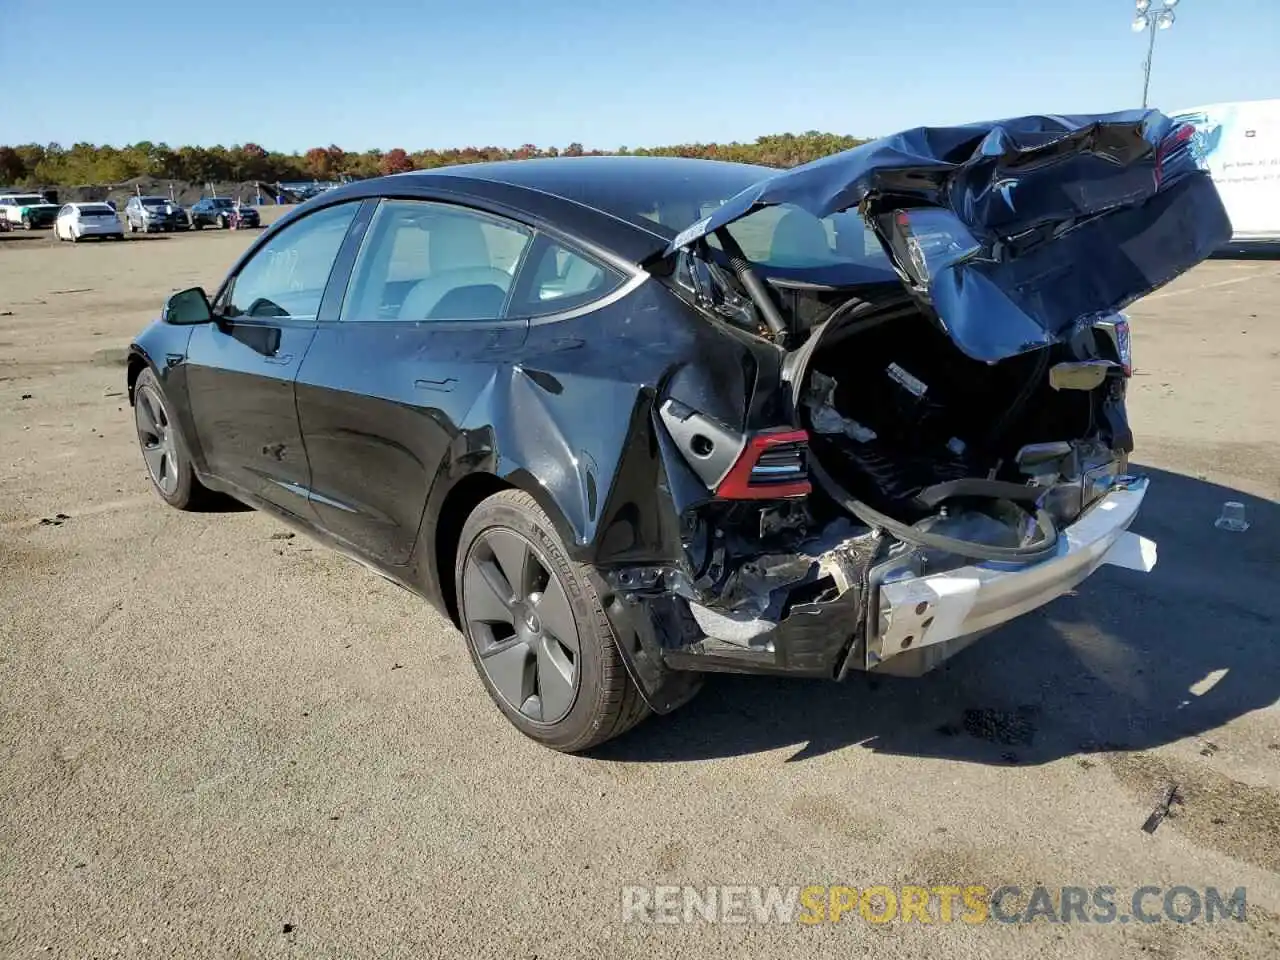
(292, 74)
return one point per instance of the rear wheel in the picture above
(222, 222)
(163, 448)
(537, 631)
(26, 223)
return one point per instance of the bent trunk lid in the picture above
(1016, 233)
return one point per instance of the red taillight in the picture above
(773, 464)
(1176, 140)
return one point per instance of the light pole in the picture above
(1151, 19)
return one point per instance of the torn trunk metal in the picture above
(1019, 232)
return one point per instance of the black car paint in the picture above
(205, 212)
(399, 425)
(400, 428)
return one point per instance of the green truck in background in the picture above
(28, 210)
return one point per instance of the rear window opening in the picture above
(787, 241)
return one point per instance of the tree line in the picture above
(32, 165)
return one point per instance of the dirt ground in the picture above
(219, 741)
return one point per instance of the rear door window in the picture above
(425, 261)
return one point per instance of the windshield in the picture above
(96, 210)
(27, 199)
(221, 202)
(154, 201)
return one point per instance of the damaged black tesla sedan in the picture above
(626, 420)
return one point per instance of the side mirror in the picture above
(188, 307)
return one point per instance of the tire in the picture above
(222, 223)
(176, 481)
(74, 237)
(130, 226)
(603, 702)
(196, 225)
(26, 223)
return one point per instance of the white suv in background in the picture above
(77, 221)
(28, 210)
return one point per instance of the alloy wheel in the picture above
(522, 625)
(157, 438)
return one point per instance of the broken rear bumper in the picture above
(895, 619)
(927, 614)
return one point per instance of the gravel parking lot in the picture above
(222, 740)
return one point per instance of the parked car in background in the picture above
(81, 221)
(28, 210)
(223, 213)
(151, 214)
(626, 420)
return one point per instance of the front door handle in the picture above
(281, 359)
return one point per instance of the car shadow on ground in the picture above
(1269, 250)
(1129, 662)
(219, 502)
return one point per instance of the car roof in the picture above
(594, 198)
(560, 175)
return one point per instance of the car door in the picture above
(241, 368)
(384, 387)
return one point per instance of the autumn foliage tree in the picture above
(85, 163)
(396, 161)
(317, 163)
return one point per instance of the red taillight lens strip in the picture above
(740, 483)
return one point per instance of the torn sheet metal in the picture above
(1017, 232)
(760, 593)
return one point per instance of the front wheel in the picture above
(163, 448)
(26, 223)
(537, 631)
(222, 223)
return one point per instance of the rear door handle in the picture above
(439, 386)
